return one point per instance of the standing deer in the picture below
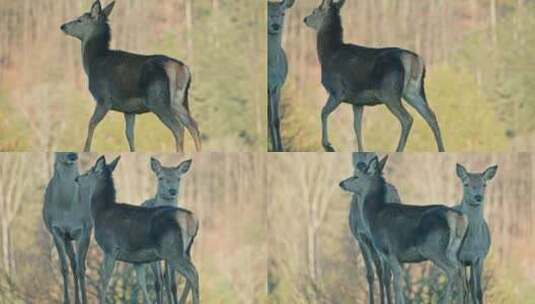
(137, 235)
(131, 83)
(166, 195)
(476, 244)
(277, 68)
(409, 234)
(68, 219)
(364, 76)
(362, 234)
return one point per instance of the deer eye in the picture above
(466, 185)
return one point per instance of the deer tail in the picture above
(179, 76)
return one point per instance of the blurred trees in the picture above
(44, 101)
(479, 59)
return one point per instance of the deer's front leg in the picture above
(107, 269)
(98, 115)
(357, 114)
(332, 104)
(130, 120)
(59, 242)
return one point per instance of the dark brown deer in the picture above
(409, 234)
(364, 76)
(137, 235)
(131, 83)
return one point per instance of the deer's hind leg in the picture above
(188, 270)
(418, 102)
(98, 115)
(370, 276)
(332, 104)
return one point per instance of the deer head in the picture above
(90, 23)
(169, 178)
(366, 177)
(320, 14)
(276, 13)
(474, 184)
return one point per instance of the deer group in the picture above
(76, 204)
(452, 238)
(130, 83)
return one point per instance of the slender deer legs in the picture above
(396, 107)
(130, 120)
(366, 254)
(420, 104)
(82, 248)
(357, 114)
(332, 104)
(174, 125)
(98, 115)
(106, 271)
(59, 242)
(185, 118)
(142, 281)
(476, 290)
(157, 272)
(74, 266)
(274, 120)
(397, 272)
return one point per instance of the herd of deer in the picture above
(159, 230)
(390, 233)
(350, 73)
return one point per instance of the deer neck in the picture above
(275, 51)
(66, 189)
(374, 200)
(330, 37)
(95, 46)
(103, 197)
(473, 211)
(162, 201)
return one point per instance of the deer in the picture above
(363, 76)
(277, 68)
(164, 234)
(130, 83)
(403, 233)
(476, 244)
(362, 235)
(68, 220)
(168, 189)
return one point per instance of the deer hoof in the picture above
(328, 148)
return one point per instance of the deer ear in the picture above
(114, 163)
(382, 164)
(339, 4)
(184, 166)
(155, 165)
(490, 173)
(100, 164)
(96, 9)
(107, 10)
(461, 171)
(289, 3)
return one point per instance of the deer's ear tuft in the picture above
(114, 163)
(107, 10)
(155, 165)
(184, 166)
(461, 171)
(490, 173)
(96, 9)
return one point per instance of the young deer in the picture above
(409, 234)
(68, 219)
(476, 244)
(362, 234)
(364, 76)
(166, 195)
(131, 83)
(277, 68)
(162, 235)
